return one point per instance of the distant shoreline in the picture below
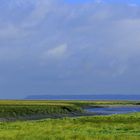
(85, 97)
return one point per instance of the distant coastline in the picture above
(84, 97)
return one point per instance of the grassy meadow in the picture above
(114, 127)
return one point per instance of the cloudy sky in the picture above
(69, 47)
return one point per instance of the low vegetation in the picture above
(114, 127)
(15, 112)
(13, 109)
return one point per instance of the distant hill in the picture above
(83, 97)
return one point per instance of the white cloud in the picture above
(57, 52)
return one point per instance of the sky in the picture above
(69, 47)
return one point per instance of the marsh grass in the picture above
(116, 127)
(16, 111)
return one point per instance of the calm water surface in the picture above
(114, 110)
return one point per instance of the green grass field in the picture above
(114, 127)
